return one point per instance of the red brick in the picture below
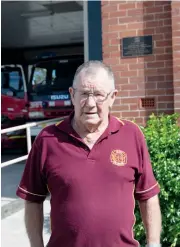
(176, 56)
(111, 61)
(149, 31)
(167, 22)
(135, 25)
(159, 50)
(106, 55)
(154, 24)
(129, 101)
(165, 98)
(129, 19)
(136, 66)
(155, 65)
(163, 15)
(137, 93)
(115, 42)
(123, 94)
(130, 114)
(176, 33)
(117, 101)
(118, 14)
(168, 64)
(164, 71)
(163, 43)
(162, 105)
(130, 5)
(141, 72)
(121, 108)
(157, 3)
(168, 35)
(106, 28)
(164, 85)
(148, 17)
(176, 47)
(137, 80)
(154, 9)
(150, 85)
(116, 28)
(170, 91)
(150, 92)
(170, 105)
(111, 48)
(176, 84)
(149, 72)
(115, 54)
(158, 36)
(135, 12)
(176, 40)
(129, 61)
(134, 107)
(146, 59)
(110, 35)
(163, 57)
(176, 98)
(156, 78)
(146, 112)
(131, 73)
(112, 21)
(123, 80)
(176, 26)
(139, 121)
(168, 50)
(120, 67)
(104, 15)
(167, 7)
(148, 4)
(106, 42)
(163, 29)
(109, 8)
(122, 12)
(128, 33)
(129, 87)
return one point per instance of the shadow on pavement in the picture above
(10, 176)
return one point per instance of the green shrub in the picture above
(163, 139)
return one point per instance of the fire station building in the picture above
(141, 42)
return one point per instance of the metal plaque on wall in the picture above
(137, 46)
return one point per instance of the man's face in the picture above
(92, 98)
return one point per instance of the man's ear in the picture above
(71, 91)
(113, 97)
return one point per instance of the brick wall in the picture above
(176, 53)
(140, 77)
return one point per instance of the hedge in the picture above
(162, 134)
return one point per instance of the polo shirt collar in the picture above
(114, 125)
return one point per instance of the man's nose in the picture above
(90, 101)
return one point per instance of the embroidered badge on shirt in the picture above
(118, 157)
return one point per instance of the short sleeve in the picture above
(33, 186)
(146, 184)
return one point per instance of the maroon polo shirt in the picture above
(93, 191)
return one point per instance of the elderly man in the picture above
(94, 166)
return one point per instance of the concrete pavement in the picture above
(13, 231)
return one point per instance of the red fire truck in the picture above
(44, 96)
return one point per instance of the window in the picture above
(39, 76)
(12, 83)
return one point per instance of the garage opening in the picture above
(42, 46)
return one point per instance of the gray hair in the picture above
(91, 68)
